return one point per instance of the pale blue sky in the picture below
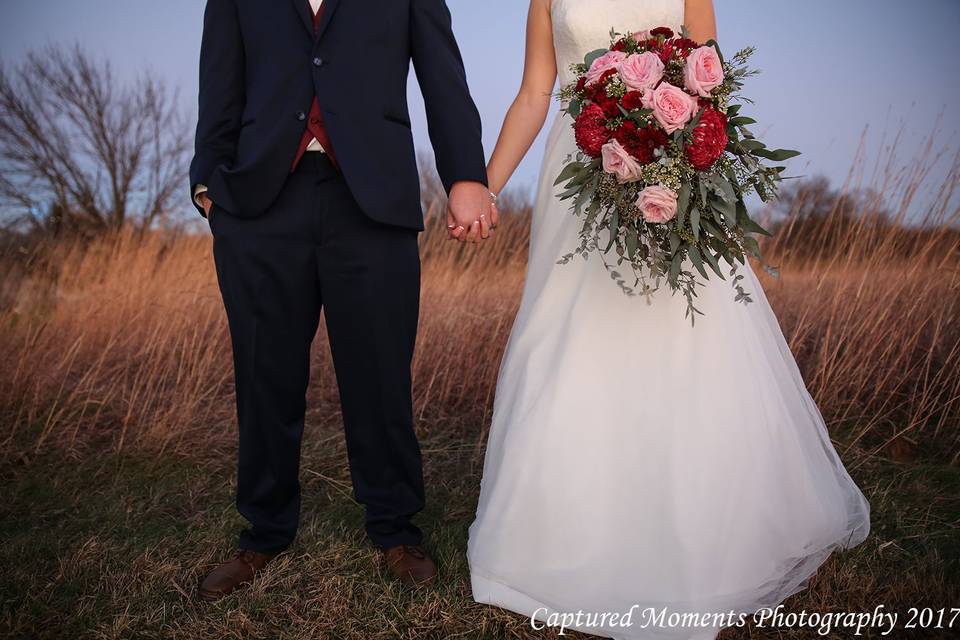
(830, 67)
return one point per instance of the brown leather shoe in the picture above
(411, 565)
(233, 574)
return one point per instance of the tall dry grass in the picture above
(124, 339)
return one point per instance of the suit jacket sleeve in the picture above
(452, 117)
(222, 92)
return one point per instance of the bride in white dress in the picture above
(635, 462)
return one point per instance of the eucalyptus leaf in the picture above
(724, 188)
(575, 107)
(568, 172)
(697, 261)
(614, 227)
(709, 257)
(675, 242)
(675, 265)
(753, 146)
(683, 199)
(728, 209)
(777, 155)
(751, 226)
(631, 242)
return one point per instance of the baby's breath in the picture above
(615, 87)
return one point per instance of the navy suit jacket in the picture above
(261, 65)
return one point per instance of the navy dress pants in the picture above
(314, 248)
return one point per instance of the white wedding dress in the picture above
(633, 459)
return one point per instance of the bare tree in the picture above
(81, 151)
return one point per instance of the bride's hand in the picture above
(487, 225)
(467, 208)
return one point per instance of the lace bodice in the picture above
(580, 26)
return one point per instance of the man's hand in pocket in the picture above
(206, 203)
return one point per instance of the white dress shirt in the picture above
(314, 143)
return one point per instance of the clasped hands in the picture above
(472, 213)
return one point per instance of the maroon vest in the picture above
(315, 126)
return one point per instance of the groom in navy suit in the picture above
(305, 168)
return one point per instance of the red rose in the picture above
(581, 83)
(709, 139)
(632, 100)
(619, 45)
(666, 32)
(591, 131)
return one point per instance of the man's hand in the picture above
(469, 212)
(206, 203)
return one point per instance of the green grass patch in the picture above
(113, 546)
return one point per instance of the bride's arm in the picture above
(529, 109)
(699, 20)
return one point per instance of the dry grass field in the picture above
(116, 428)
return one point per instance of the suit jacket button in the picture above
(301, 116)
(318, 62)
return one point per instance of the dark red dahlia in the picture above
(666, 32)
(632, 100)
(709, 139)
(638, 142)
(590, 130)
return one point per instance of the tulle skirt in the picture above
(637, 463)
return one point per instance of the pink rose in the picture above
(641, 72)
(703, 72)
(609, 60)
(657, 204)
(619, 162)
(641, 36)
(672, 107)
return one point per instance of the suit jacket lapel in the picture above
(329, 6)
(302, 8)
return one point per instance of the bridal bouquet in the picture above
(665, 160)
